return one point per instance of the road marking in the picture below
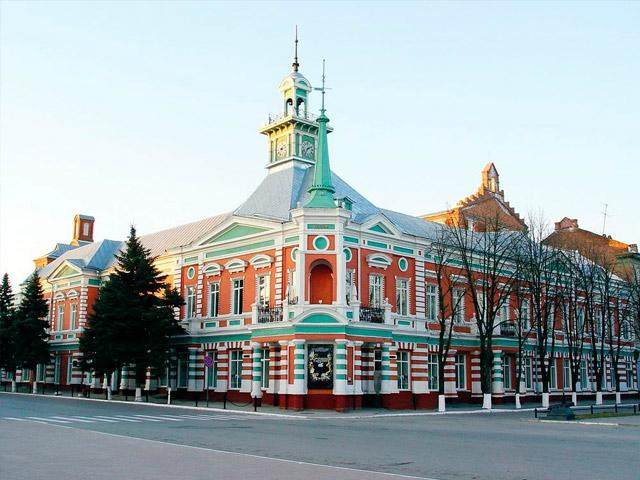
(124, 419)
(96, 419)
(26, 420)
(48, 420)
(158, 418)
(74, 419)
(137, 418)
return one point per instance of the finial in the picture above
(295, 64)
(323, 88)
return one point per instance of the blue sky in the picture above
(147, 112)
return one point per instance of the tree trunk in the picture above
(574, 397)
(545, 399)
(598, 397)
(486, 401)
(441, 403)
(138, 397)
(518, 404)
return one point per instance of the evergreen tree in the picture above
(133, 319)
(7, 314)
(29, 335)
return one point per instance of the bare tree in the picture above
(542, 272)
(486, 260)
(523, 329)
(573, 321)
(450, 300)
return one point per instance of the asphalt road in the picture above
(44, 437)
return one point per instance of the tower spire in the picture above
(295, 64)
(322, 189)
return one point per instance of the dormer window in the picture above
(85, 229)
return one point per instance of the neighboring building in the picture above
(601, 249)
(307, 294)
(486, 205)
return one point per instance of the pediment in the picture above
(65, 270)
(320, 318)
(380, 224)
(234, 231)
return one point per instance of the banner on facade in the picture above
(320, 366)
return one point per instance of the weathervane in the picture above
(323, 88)
(295, 64)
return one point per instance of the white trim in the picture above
(261, 261)
(212, 269)
(379, 260)
(236, 265)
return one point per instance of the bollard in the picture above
(197, 396)
(224, 405)
(168, 395)
(255, 404)
(535, 412)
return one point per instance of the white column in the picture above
(497, 385)
(340, 368)
(256, 382)
(299, 386)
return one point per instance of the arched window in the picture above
(321, 283)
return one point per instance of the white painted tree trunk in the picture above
(138, 394)
(486, 401)
(598, 398)
(441, 403)
(109, 392)
(35, 387)
(14, 386)
(545, 399)
(169, 396)
(574, 398)
(618, 397)
(518, 404)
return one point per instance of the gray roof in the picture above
(182, 235)
(283, 190)
(59, 249)
(93, 256)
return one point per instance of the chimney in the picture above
(82, 229)
(566, 224)
(633, 248)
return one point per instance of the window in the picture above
(375, 291)
(402, 297)
(580, 321)
(191, 302)
(630, 379)
(214, 299)
(528, 373)
(40, 372)
(598, 323)
(24, 374)
(504, 311)
(73, 316)
(506, 372)
(584, 376)
(183, 370)
(458, 305)
(263, 290)
(461, 377)
(69, 370)
(433, 372)
(566, 374)
(349, 285)
(524, 324)
(56, 370)
(403, 370)
(85, 229)
(377, 360)
(60, 317)
(235, 369)
(212, 372)
(432, 302)
(265, 368)
(553, 374)
(237, 291)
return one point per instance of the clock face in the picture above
(307, 149)
(282, 150)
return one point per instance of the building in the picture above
(486, 205)
(307, 295)
(620, 257)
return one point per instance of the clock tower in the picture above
(293, 133)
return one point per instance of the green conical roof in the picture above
(321, 189)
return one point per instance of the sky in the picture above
(147, 113)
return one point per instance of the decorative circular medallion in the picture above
(347, 254)
(321, 242)
(191, 272)
(294, 254)
(403, 264)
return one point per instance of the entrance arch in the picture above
(321, 283)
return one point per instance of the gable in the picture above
(379, 227)
(236, 231)
(66, 271)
